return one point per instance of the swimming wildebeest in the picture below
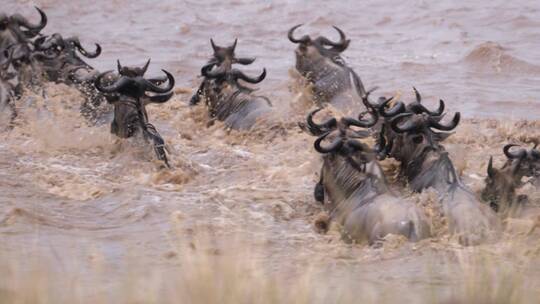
(61, 63)
(501, 184)
(356, 191)
(226, 98)
(17, 29)
(222, 56)
(63, 59)
(128, 94)
(386, 136)
(426, 164)
(319, 61)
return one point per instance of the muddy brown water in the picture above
(71, 194)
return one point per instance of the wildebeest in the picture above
(17, 29)
(63, 59)
(222, 56)
(128, 94)
(426, 164)
(387, 136)
(226, 98)
(501, 184)
(319, 61)
(356, 191)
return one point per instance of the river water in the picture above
(83, 210)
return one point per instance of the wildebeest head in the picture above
(132, 71)
(129, 105)
(422, 121)
(419, 132)
(500, 185)
(16, 28)
(226, 81)
(527, 160)
(345, 143)
(312, 50)
(69, 46)
(331, 124)
(226, 56)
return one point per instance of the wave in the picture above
(492, 57)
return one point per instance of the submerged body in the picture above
(364, 206)
(238, 108)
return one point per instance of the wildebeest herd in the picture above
(353, 187)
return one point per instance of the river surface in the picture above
(85, 217)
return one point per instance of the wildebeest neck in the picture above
(343, 181)
(430, 169)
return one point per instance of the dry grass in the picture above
(202, 272)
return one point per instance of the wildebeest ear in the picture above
(233, 46)
(214, 47)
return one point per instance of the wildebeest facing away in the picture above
(227, 99)
(501, 184)
(356, 191)
(426, 164)
(129, 98)
(319, 61)
(222, 56)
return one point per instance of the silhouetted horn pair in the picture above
(419, 122)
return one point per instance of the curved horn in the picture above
(214, 46)
(359, 87)
(83, 51)
(417, 94)
(156, 89)
(233, 46)
(240, 75)
(516, 155)
(206, 71)
(334, 146)
(433, 123)
(160, 98)
(360, 122)
(418, 108)
(409, 125)
(34, 28)
(118, 65)
(244, 61)
(119, 84)
(398, 108)
(290, 35)
(145, 67)
(317, 129)
(343, 41)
